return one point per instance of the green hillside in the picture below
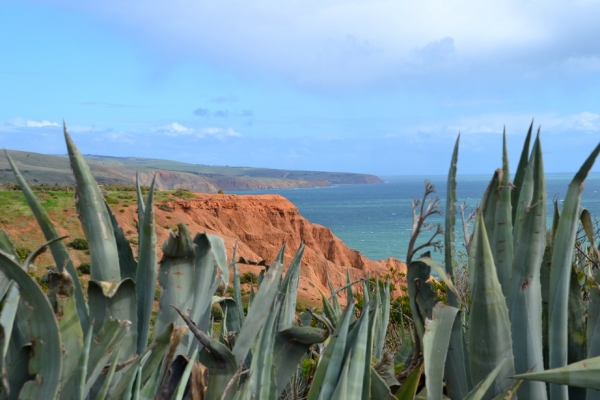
(55, 170)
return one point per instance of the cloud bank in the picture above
(343, 45)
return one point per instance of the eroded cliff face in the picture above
(260, 224)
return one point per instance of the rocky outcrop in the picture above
(260, 224)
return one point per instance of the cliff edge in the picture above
(260, 224)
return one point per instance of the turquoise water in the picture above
(376, 219)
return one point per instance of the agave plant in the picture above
(64, 344)
(526, 310)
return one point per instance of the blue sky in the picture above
(380, 87)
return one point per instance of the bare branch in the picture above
(422, 209)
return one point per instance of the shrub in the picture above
(22, 252)
(217, 313)
(249, 277)
(165, 207)
(84, 267)
(79, 244)
(111, 200)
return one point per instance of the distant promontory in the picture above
(55, 170)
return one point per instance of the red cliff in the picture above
(260, 224)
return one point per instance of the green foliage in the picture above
(183, 194)
(165, 207)
(249, 277)
(221, 191)
(111, 200)
(84, 267)
(22, 252)
(79, 244)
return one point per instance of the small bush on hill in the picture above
(79, 244)
(22, 252)
(249, 277)
(84, 267)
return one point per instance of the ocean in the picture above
(376, 219)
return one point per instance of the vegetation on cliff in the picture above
(523, 321)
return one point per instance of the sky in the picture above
(380, 87)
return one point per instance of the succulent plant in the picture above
(510, 332)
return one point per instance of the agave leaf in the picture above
(349, 293)
(455, 370)
(231, 316)
(75, 386)
(124, 387)
(491, 342)
(145, 275)
(435, 346)
(95, 221)
(406, 350)
(511, 392)
(450, 219)
(336, 304)
(488, 207)
(115, 300)
(421, 293)
(151, 358)
(520, 172)
(259, 311)
(503, 228)
(7, 247)
(289, 287)
(480, 390)
(183, 382)
(560, 274)
(331, 362)
(237, 292)
(59, 249)
(127, 263)
(108, 338)
(386, 371)
(524, 292)
(408, 390)
(217, 358)
(593, 328)
(140, 201)
(358, 348)
(17, 372)
(160, 345)
(328, 309)
(38, 313)
(75, 349)
(577, 330)
(291, 345)
(111, 373)
(341, 389)
(384, 319)
(581, 374)
(588, 227)
(7, 318)
(545, 282)
(176, 277)
(261, 383)
(217, 246)
(176, 369)
(205, 282)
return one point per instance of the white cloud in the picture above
(177, 129)
(219, 132)
(341, 43)
(40, 124)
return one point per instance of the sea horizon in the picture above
(376, 219)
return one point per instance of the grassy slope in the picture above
(42, 168)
